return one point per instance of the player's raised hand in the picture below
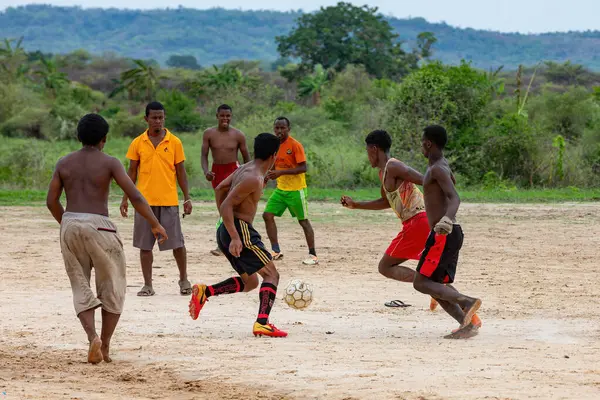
(159, 233)
(123, 208)
(235, 247)
(347, 202)
(444, 226)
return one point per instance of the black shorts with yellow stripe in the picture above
(254, 256)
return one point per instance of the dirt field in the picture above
(535, 267)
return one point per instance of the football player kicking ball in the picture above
(237, 200)
(437, 266)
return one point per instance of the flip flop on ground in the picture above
(146, 291)
(185, 288)
(397, 304)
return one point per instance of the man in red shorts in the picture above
(400, 192)
(224, 141)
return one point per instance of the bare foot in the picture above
(469, 312)
(463, 333)
(94, 353)
(104, 350)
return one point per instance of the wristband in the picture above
(187, 201)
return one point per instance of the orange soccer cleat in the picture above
(198, 300)
(267, 330)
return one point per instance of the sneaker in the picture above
(267, 330)
(313, 260)
(198, 300)
(276, 256)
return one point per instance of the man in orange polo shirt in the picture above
(290, 171)
(157, 164)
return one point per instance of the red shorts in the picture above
(222, 171)
(440, 256)
(411, 240)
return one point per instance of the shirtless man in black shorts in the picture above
(237, 200)
(437, 266)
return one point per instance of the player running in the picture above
(88, 238)
(224, 141)
(437, 266)
(400, 192)
(237, 200)
(290, 173)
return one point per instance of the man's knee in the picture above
(268, 217)
(250, 283)
(384, 268)
(420, 283)
(304, 223)
(179, 250)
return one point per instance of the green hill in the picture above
(217, 35)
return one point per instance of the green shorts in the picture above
(295, 201)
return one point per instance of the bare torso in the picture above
(436, 203)
(224, 145)
(246, 210)
(86, 176)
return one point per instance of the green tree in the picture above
(139, 82)
(312, 85)
(345, 34)
(188, 62)
(52, 78)
(13, 61)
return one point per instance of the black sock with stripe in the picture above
(266, 295)
(231, 285)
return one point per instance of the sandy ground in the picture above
(535, 267)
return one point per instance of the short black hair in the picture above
(437, 135)
(283, 119)
(265, 145)
(224, 107)
(380, 139)
(154, 106)
(91, 129)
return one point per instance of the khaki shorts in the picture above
(91, 241)
(168, 217)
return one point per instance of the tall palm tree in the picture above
(51, 77)
(312, 85)
(13, 65)
(142, 79)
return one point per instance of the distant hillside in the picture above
(217, 35)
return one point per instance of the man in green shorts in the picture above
(290, 170)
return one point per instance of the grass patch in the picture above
(38, 197)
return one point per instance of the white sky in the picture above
(526, 16)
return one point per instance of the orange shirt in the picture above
(157, 178)
(290, 154)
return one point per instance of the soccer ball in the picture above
(298, 294)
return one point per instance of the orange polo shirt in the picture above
(157, 178)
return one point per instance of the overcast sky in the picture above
(499, 15)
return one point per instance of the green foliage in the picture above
(177, 61)
(344, 34)
(182, 115)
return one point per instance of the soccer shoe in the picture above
(433, 304)
(276, 256)
(267, 330)
(198, 300)
(312, 260)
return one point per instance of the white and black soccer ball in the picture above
(298, 294)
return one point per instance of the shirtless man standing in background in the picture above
(224, 142)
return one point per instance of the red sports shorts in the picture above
(222, 171)
(411, 240)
